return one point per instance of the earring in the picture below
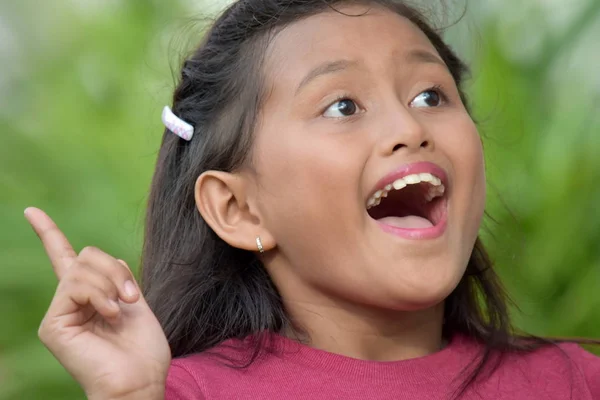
(259, 245)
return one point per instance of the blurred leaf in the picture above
(80, 98)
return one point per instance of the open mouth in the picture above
(415, 201)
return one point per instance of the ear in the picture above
(222, 199)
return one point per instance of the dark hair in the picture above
(204, 291)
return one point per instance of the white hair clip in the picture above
(177, 125)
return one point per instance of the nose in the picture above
(404, 132)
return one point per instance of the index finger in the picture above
(55, 243)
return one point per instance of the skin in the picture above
(355, 289)
(98, 324)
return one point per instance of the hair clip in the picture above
(176, 124)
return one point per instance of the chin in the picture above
(421, 302)
(424, 293)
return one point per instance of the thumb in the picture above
(123, 263)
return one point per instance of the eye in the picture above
(341, 108)
(429, 98)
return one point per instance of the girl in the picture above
(311, 230)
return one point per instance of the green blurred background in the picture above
(82, 84)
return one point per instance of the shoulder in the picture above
(585, 364)
(182, 381)
(181, 384)
(188, 375)
(564, 366)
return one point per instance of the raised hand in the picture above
(98, 325)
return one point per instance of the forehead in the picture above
(370, 35)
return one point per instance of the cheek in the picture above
(307, 187)
(465, 150)
(477, 164)
(463, 147)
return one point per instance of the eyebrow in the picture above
(420, 56)
(416, 56)
(325, 69)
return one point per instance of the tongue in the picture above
(408, 222)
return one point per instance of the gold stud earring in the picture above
(259, 245)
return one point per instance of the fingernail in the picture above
(130, 289)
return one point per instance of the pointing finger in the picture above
(55, 243)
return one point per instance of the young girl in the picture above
(311, 230)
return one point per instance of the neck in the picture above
(368, 333)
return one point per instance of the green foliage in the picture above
(80, 102)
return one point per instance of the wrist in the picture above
(152, 392)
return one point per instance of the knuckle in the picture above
(43, 332)
(88, 251)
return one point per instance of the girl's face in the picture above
(354, 104)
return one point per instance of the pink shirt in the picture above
(301, 372)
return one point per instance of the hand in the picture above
(98, 325)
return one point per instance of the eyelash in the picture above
(346, 96)
(440, 91)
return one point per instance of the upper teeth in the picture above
(435, 190)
